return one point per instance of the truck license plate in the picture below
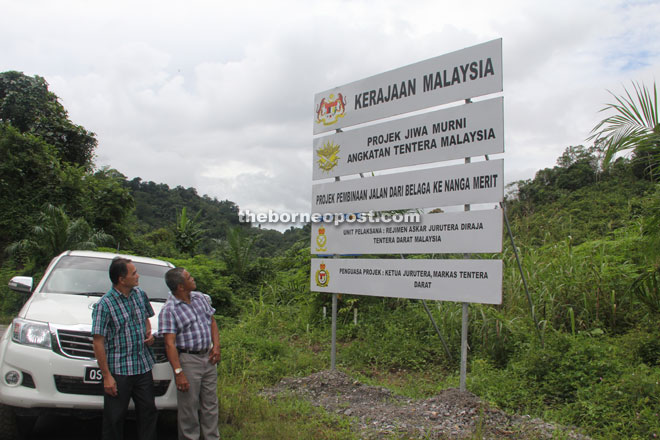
(93, 375)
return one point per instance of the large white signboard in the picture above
(474, 129)
(451, 232)
(477, 281)
(463, 74)
(478, 182)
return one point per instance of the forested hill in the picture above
(578, 200)
(157, 208)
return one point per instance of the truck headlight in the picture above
(32, 333)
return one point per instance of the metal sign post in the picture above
(464, 346)
(333, 349)
(464, 320)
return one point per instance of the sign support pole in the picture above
(437, 330)
(333, 347)
(464, 346)
(522, 275)
(464, 321)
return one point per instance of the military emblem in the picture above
(328, 156)
(322, 276)
(330, 110)
(321, 240)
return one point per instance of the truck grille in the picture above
(75, 385)
(78, 344)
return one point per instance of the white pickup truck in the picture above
(47, 363)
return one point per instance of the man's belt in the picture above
(202, 351)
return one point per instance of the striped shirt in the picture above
(191, 323)
(121, 321)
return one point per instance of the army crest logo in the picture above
(321, 240)
(328, 156)
(322, 276)
(330, 110)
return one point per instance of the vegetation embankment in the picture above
(587, 232)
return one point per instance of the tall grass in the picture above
(588, 317)
(261, 346)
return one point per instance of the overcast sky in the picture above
(218, 95)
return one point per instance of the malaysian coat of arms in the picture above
(330, 110)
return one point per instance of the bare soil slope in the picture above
(379, 414)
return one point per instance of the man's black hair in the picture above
(174, 278)
(118, 269)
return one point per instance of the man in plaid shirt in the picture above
(193, 349)
(122, 334)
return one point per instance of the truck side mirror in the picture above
(21, 284)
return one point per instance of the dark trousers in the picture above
(140, 387)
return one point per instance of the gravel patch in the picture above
(379, 414)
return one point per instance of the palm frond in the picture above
(56, 232)
(20, 246)
(647, 288)
(635, 119)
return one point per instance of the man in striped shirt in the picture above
(193, 348)
(122, 334)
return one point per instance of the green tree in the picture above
(576, 168)
(28, 105)
(187, 232)
(157, 206)
(157, 243)
(576, 154)
(54, 233)
(634, 125)
(30, 175)
(107, 202)
(236, 251)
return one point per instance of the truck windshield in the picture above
(78, 275)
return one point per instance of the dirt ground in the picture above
(379, 414)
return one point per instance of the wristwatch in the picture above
(178, 370)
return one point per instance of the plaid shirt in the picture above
(191, 323)
(121, 321)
